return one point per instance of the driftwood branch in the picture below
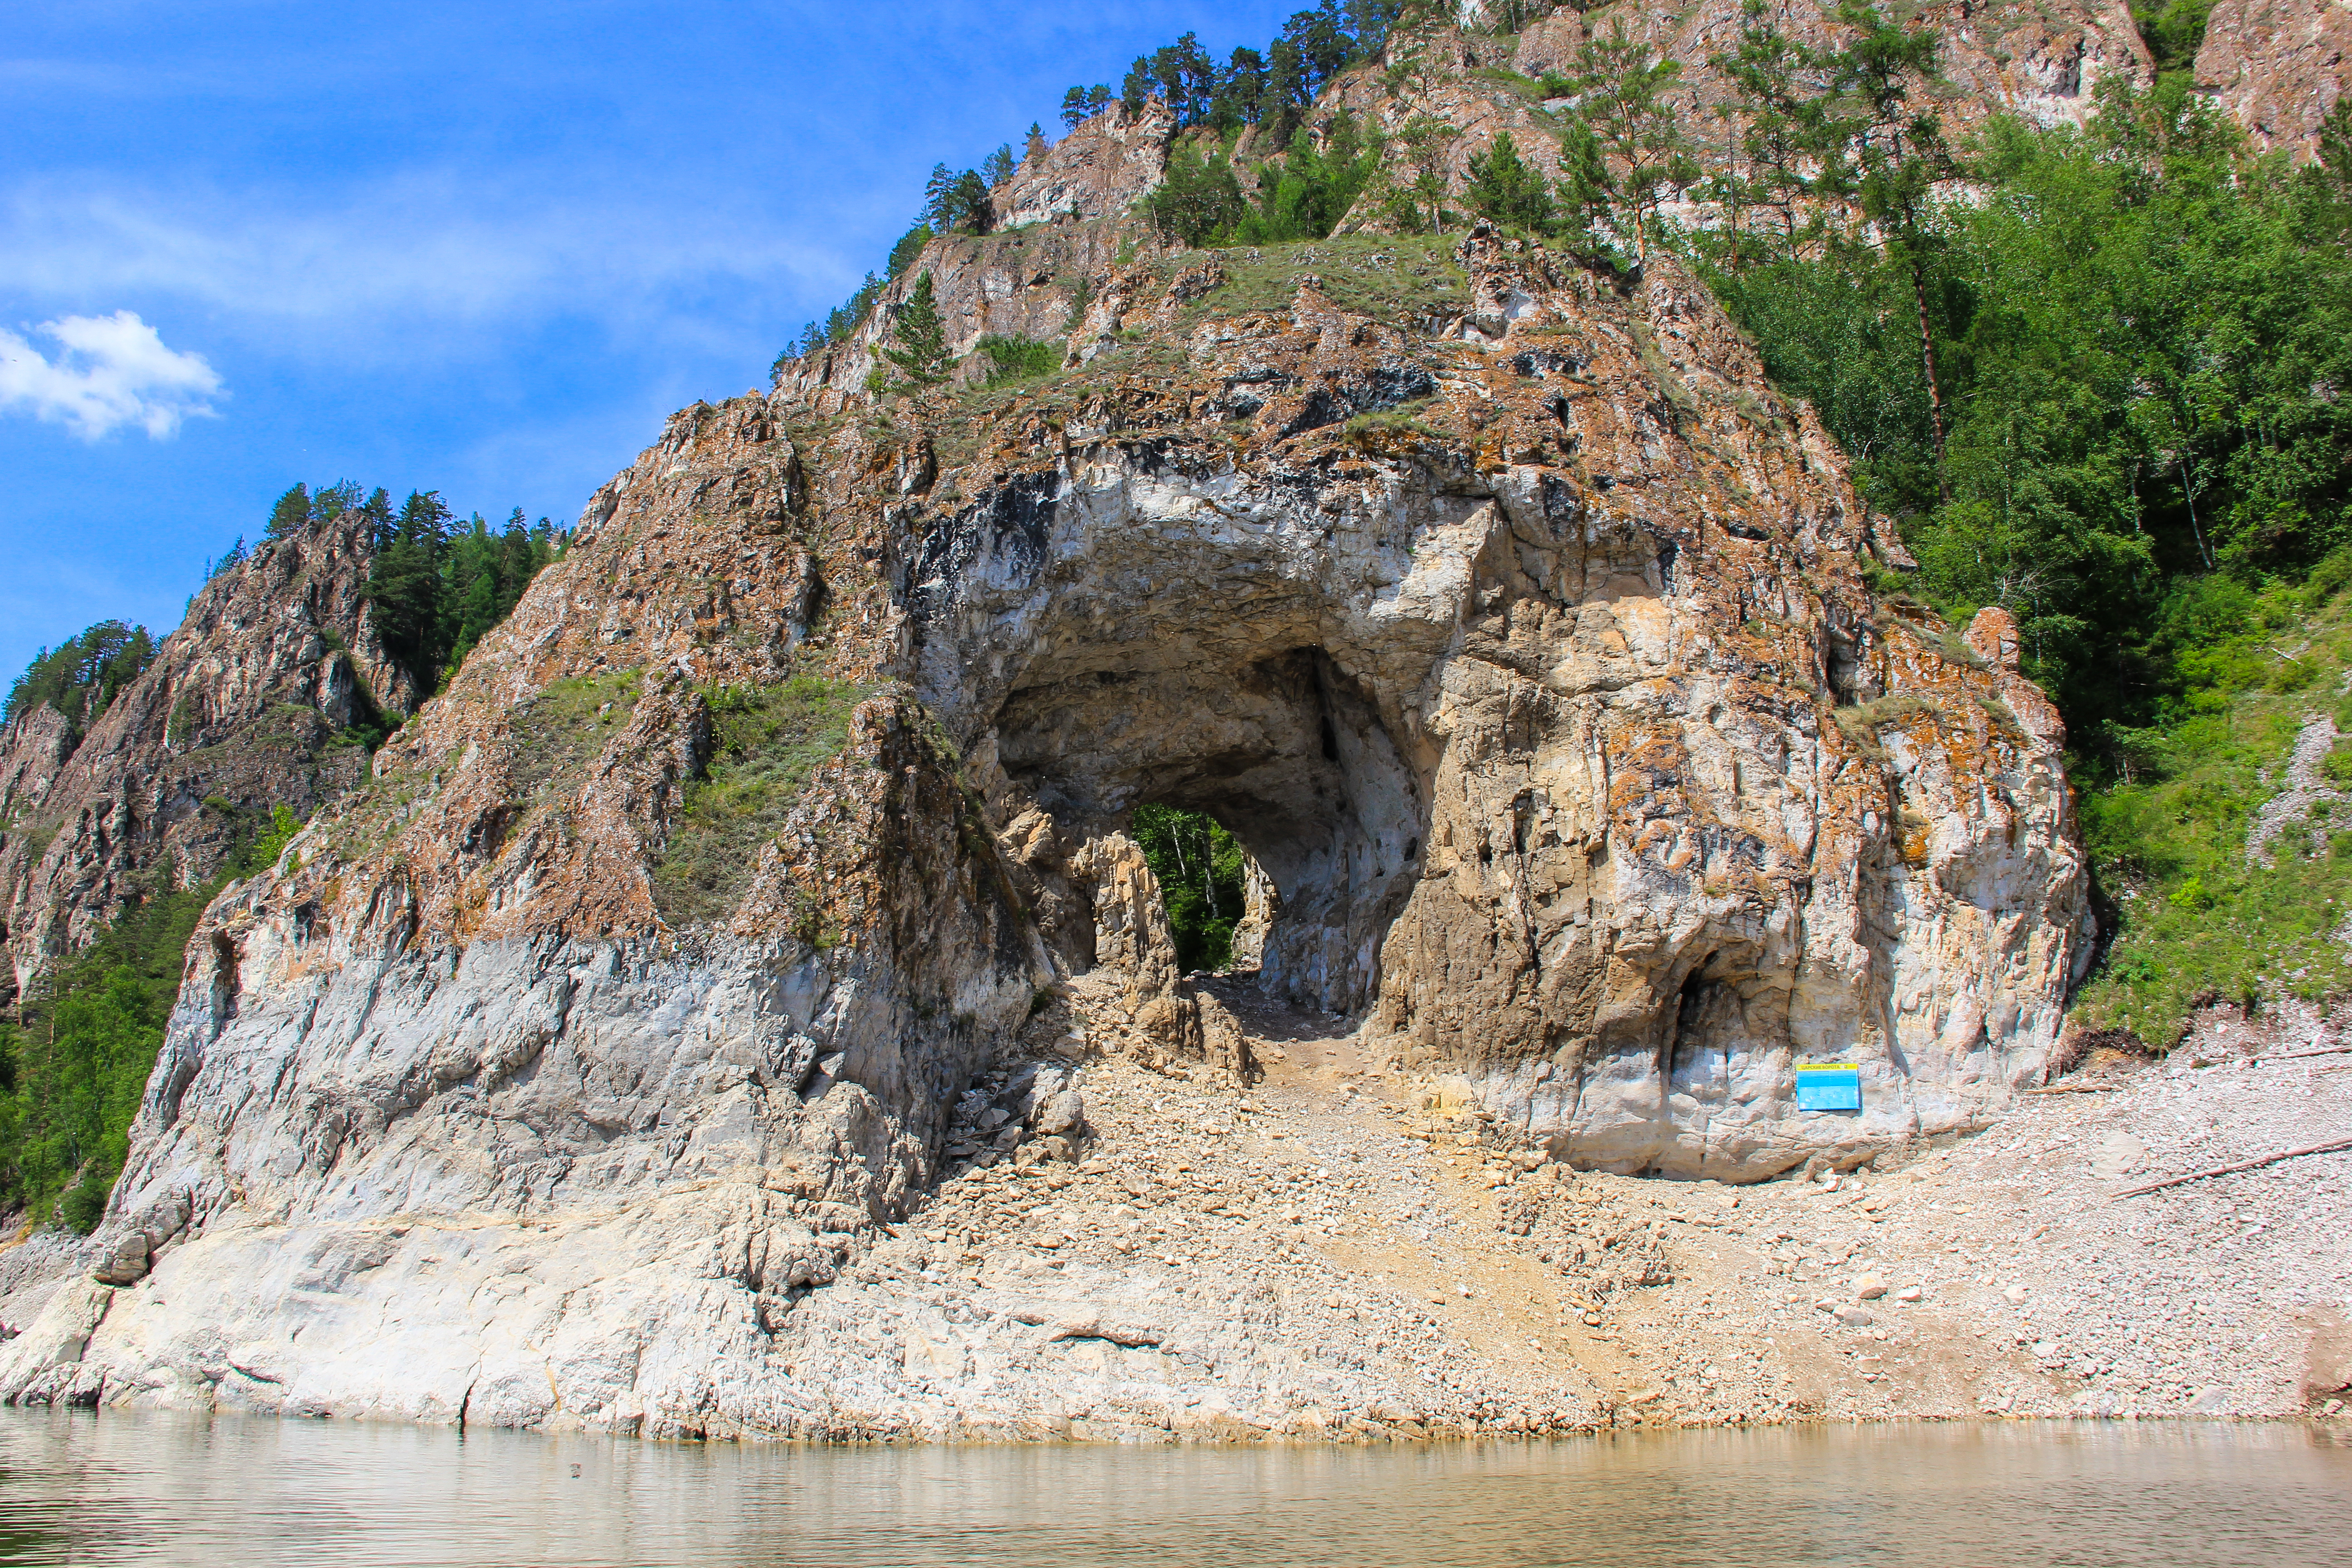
(2294, 1056)
(2340, 1143)
(2076, 1089)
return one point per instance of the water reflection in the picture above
(139, 1488)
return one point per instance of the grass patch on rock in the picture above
(568, 722)
(1397, 279)
(765, 743)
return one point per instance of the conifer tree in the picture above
(1623, 86)
(290, 515)
(1035, 145)
(919, 342)
(939, 199)
(1075, 108)
(1504, 188)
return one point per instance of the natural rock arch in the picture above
(1522, 809)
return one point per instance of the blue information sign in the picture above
(1829, 1086)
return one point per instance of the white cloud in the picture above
(110, 371)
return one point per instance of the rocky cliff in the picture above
(2039, 61)
(767, 868)
(240, 711)
(2277, 68)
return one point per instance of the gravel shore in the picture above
(1335, 1250)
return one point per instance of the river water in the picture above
(139, 1488)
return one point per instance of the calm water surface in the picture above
(123, 1488)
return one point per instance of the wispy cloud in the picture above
(110, 371)
(434, 252)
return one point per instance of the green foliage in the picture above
(236, 555)
(437, 587)
(81, 678)
(1305, 194)
(902, 256)
(290, 515)
(1272, 89)
(1199, 201)
(1301, 195)
(74, 1068)
(1623, 86)
(957, 202)
(1417, 204)
(2172, 32)
(2194, 916)
(2140, 329)
(1017, 359)
(765, 743)
(1504, 188)
(263, 855)
(919, 341)
(1199, 867)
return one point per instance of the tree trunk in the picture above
(1935, 392)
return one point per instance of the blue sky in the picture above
(482, 248)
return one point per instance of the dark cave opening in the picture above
(1281, 771)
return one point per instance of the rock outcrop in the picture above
(240, 711)
(2041, 61)
(1534, 649)
(2277, 67)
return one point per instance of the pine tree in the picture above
(1504, 188)
(290, 515)
(405, 589)
(81, 678)
(1623, 86)
(1900, 160)
(1035, 146)
(919, 340)
(974, 213)
(1075, 108)
(1588, 191)
(939, 199)
(997, 167)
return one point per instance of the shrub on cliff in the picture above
(1016, 358)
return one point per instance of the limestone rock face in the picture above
(1613, 802)
(1102, 167)
(1516, 627)
(239, 713)
(2040, 61)
(2277, 67)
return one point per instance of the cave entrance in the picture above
(1280, 773)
